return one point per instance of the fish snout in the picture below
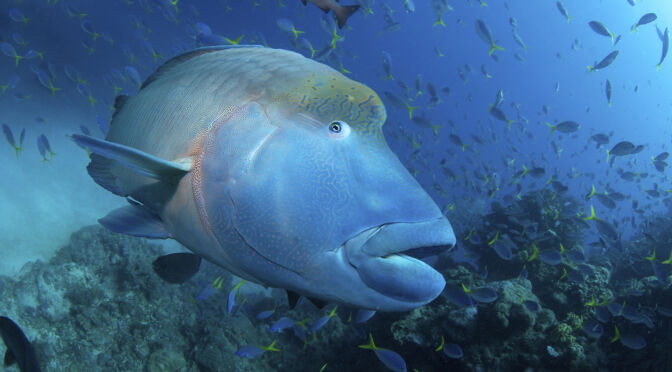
(388, 258)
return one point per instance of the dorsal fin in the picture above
(187, 56)
(119, 102)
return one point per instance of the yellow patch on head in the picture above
(329, 97)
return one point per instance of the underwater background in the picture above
(553, 175)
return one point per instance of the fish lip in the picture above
(378, 241)
(387, 258)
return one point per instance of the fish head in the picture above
(323, 207)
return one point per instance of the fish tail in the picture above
(590, 68)
(436, 128)
(617, 335)
(443, 342)
(53, 89)
(553, 127)
(344, 12)
(633, 28)
(271, 347)
(658, 66)
(370, 345)
(410, 110)
(297, 32)
(439, 22)
(608, 154)
(592, 216)
(494, 47)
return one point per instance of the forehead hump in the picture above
(327, 95)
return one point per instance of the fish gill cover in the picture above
(540, 129)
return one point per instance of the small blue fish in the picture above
(84, 130)
(602, 314)
(232, 297)
(265, 314)
(631, 340)
(550, 257)
(46, 81)
(389, 358)
(253, 351)
(10, 84)
(17, 16)
(10, 138)
(453, 351)
(210, 39)
(321, 322)
(19, 39)
(8, 50)
(282, 324)
(503, 250)
(286, 25)
(362, 315)
(87, 27)
(203, 28)
(483, 294)
(133, 75)
(21, 96)
(44, 147)
(532, 306)
(103, 124)
(72, 74)
(592, 328)
(576, 256)
(661, 271)
(150, 50)
(631, 313)
(88, 46)
(458, 297)
(210, 289)
(615, 308)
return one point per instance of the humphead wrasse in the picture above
(274, 167)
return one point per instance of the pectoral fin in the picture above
(139, 161)
(135, 220)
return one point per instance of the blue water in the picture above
(44, 201)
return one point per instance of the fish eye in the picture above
(338, 129)
(335, 127)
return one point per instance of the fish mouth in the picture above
(388, 258)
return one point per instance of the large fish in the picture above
(274, 167)
(342, 12)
